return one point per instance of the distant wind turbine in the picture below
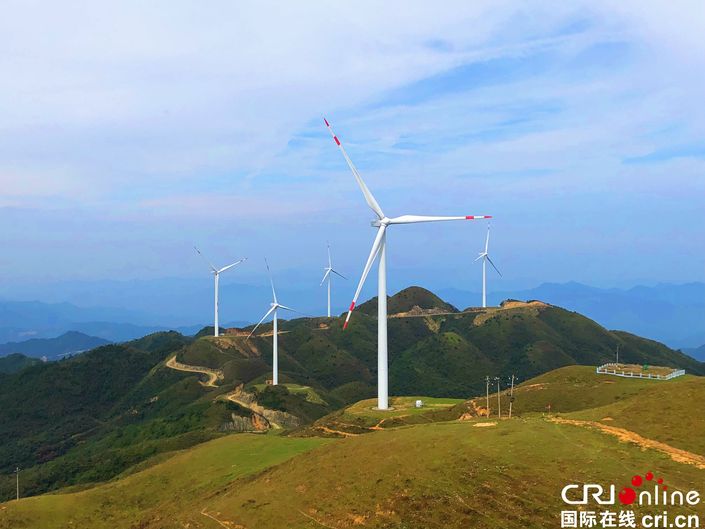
(216, 275)
(327, 275)
(273, 309)
(379, 252)
(485, 256)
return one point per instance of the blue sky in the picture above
(131, 132)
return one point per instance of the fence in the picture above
(611, 369)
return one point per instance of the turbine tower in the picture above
(485, 256)
(273, 309)
(378, 252)
(327, 275)
(216, 275)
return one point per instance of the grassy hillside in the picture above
(437, 475)
(177, 484)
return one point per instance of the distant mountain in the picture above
(16, 362)
(673, 314)
(52, 348)
(22, 320)
(696, 352)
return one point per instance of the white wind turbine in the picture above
(485, 256)
(273, 309)
(216, 275)
(379, 251)
(327, 275)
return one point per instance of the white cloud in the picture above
(170, 111)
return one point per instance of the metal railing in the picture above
(611, 369)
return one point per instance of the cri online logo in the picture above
(639, 492)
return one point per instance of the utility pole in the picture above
(499, 402)
(511, 397)
(17, 477)
(487, 388)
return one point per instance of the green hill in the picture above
(121, 404)
(15, 362)
(407, 300)
(453, 475)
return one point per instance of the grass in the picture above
(401, 406)
(426, 476)
(638, 369)
(664, 410)
(441, 474)
(170, 486)
(308, 392)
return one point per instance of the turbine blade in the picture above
(360, 182)
(231, 265)
(290, 309)
(480, 256)
(325, 276)
(206, 260)
(410, 219)
(487, 240)
(338, 274)
(493, 266)
(330, 262)
(271, 281)
(371, 259)
(272, 309)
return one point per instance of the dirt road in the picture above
(627, 436)
(213, 374)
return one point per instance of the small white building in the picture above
(419, 404)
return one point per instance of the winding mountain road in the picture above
(213, 374)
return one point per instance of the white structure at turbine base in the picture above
(273, 309)
(216, 276)
(485, 256)
(327, 272)
(378, 252)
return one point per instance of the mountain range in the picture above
(670, 313)
(70, 342)
(120, 404)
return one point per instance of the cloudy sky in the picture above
(130, 131)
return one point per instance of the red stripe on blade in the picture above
(336, 140)
(352, 306)
(327, 124)
(345, 325)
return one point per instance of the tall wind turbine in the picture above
(327, 275)
(274, 307)
(485, 256)
(379, 252)
(216, 275)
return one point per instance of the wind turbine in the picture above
(216, 275)
(379, 252)
(273, 308)
(327, 275)
(485, 256)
